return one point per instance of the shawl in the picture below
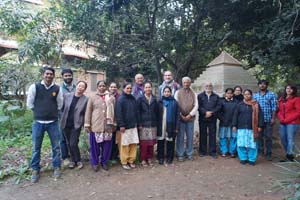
(170, 104)
(255, 111)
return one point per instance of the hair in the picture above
(126, 84)
(293, 87)
(82, 82)
(101, 81)
(186, 78)
(229, 89)
(45, 68)
(167, 87)
(238, 87)
(66, 70)
(248, 90)
(168, 71)
(148, 82)
(114, 83)
(263, 81)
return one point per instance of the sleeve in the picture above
(296, 113)
(177, 113)
(195, 108)
(260, 117)
(60, 99)
(280, 113)
(88, 113)
(119, 114)
(220, 114)
(139, 113)
(201, 109)
(31, 96)
(274, 103)
(176, 96)
(217, 107)
(235, 116)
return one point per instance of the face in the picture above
(167, 93)
(102, 87)
(208, 87)
(68, 78)
(168, 76)
(148, 88)
(48, 76)
(229, 94)
(139, 79)
(247, 95)
(237, 91)
(113, 88)
(263, 86)
(80, 88)
(186, 83)
(289, 90)
(128, 89)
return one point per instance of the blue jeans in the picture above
(265, 139)
(38, 131)
(287, 136)
(188, 128)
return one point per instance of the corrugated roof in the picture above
(224, 58)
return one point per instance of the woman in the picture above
(289, 118)
(247, 121)
(100, 123)
(238, 93)
(147, 123)
(168, 126)
(72, 120)
(127, 136)
(113, 89)
(228, 106)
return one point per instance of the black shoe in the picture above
(269, 158)
(290, 157)
(214, 155)
(161, 161)
(251, 163)
(202, 154)
(243, 162)
(95, 168)
(105, 167)
(169, 161)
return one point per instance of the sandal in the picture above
(132, 165)
(144, 163)
(126, 167)
(150, 163)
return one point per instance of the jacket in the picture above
(126, 111)
(227, 108)
(289, 110)
(147, 113)
(208, 104)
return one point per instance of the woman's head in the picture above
(167, 91)
(127, 88)
(229, 93)
(148, 88)
(113, 87)
(237, 90)
(101, 86)
(247, 94)
(290, 90)
(81, 87)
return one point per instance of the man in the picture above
(209, 107)
(138, 87)
(45, 99)
(267, 100)
(67, 87)
(168, 81)
(188, 105)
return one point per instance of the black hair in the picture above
(82, 82)
(167, 87)
(248, 90)
(293, 87)
(66, 70)
(101, 81)
(238, 87)
(229, 89)
(126, 84)
(45, 68)
(114, 83)
(263, 81)
(148, 82)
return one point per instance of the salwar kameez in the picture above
(227, 135)
(246, 145)
(147, 141)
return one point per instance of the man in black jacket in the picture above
(208, 103)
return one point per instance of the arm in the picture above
(280, 113)
(88, 114)
(139, 109)
(217, 107)
(119, 114)
(296, 113)
(31, 96)
(260, 117)
(195, 108)
(177, 113)
(274, 108)
(201, 109)
(60, 99)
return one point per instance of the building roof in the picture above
(224, 58)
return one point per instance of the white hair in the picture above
(186, 78)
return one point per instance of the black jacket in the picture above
(126, 111)
(242, 117)
(205, 104)
(147, 113)
(227, 108)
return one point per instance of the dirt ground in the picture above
(203, 178)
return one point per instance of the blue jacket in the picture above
(208, 104)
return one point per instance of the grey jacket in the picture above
(79, 110)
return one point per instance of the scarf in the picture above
(110, 103)
(138, 89)
(255, 111)
(170, 104)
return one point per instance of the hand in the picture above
(272, 121)
(259, 129)
(140, 127)
(255, 135)
(188, 117)
(87, 129)
(183, 117)
(233, 129)
(122, 129)
(208, 114)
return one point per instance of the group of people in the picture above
(118, 122)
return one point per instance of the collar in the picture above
(47, 87)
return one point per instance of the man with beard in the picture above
(168, 81)
(67, 87)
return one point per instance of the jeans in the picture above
(188, 128)
(211, 126)
(287, 136)
(38, 131)
(265, 139)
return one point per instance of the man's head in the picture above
(263, 85)
(139, 79)
(168, 76)
(48, 75)
(208, 87)
(186, 82)
(67, 75)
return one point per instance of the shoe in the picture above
(180, 159)
(290, 157)
(150, 163)
(223, 155)
(232, 155)
(144, 163)
(72, 165)
(214, 156)
(243, 162)
(169, 161)
(35, 176)
(191, 158)
(57, 173)
(79, 165)
(126, 167)
(105, 167)
(132, 165)
(95, 168)
(269, 158)
(66, 162)
(251, 163)
(161, 161)
(202, 154)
